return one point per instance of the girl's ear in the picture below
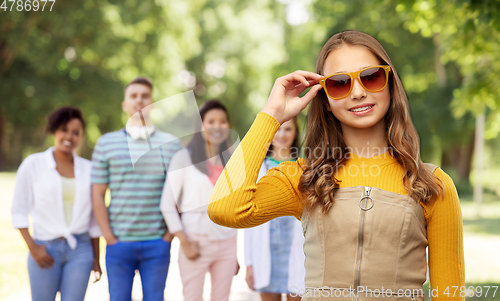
(327, 105)
(324, 99)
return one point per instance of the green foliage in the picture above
(242, 43)
(84, 51)
(467, 32)
(81, 54)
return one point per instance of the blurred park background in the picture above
(83, 52)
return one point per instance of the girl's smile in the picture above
(362, 109)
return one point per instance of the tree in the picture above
(81, 54)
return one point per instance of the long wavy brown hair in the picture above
(324, 132)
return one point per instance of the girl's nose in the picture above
(358, 92)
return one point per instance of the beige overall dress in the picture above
(371, 245)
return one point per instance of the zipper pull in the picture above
(363, 202)
(367, 191)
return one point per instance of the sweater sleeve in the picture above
(237, 201)
(445, 238)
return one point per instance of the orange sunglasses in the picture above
(372, 79)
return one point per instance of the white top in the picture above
(258, 253)
(38, 192)
(192, 203)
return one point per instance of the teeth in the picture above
(66, 142)
(361, 109)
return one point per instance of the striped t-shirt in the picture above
(134, 210)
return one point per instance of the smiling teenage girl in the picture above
(369, 206)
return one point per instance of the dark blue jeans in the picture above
(151, 258)
(70, 273)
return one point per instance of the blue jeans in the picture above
(151, 258)
(69, 275)
(280, 237)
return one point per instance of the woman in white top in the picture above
(54, 188)
(274, 255)
(193, 171)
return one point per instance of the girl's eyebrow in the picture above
(348, 72)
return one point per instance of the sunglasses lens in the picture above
(373, 79)
(338, 86)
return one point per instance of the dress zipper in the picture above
(364, 199)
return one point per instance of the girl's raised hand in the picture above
(284, 102)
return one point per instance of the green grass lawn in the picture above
(484, 220)
(482, 232)
(13, 266)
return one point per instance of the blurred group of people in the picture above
(65, 196)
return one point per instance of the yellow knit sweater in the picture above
(239, 202)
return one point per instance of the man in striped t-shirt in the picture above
(133, 225)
